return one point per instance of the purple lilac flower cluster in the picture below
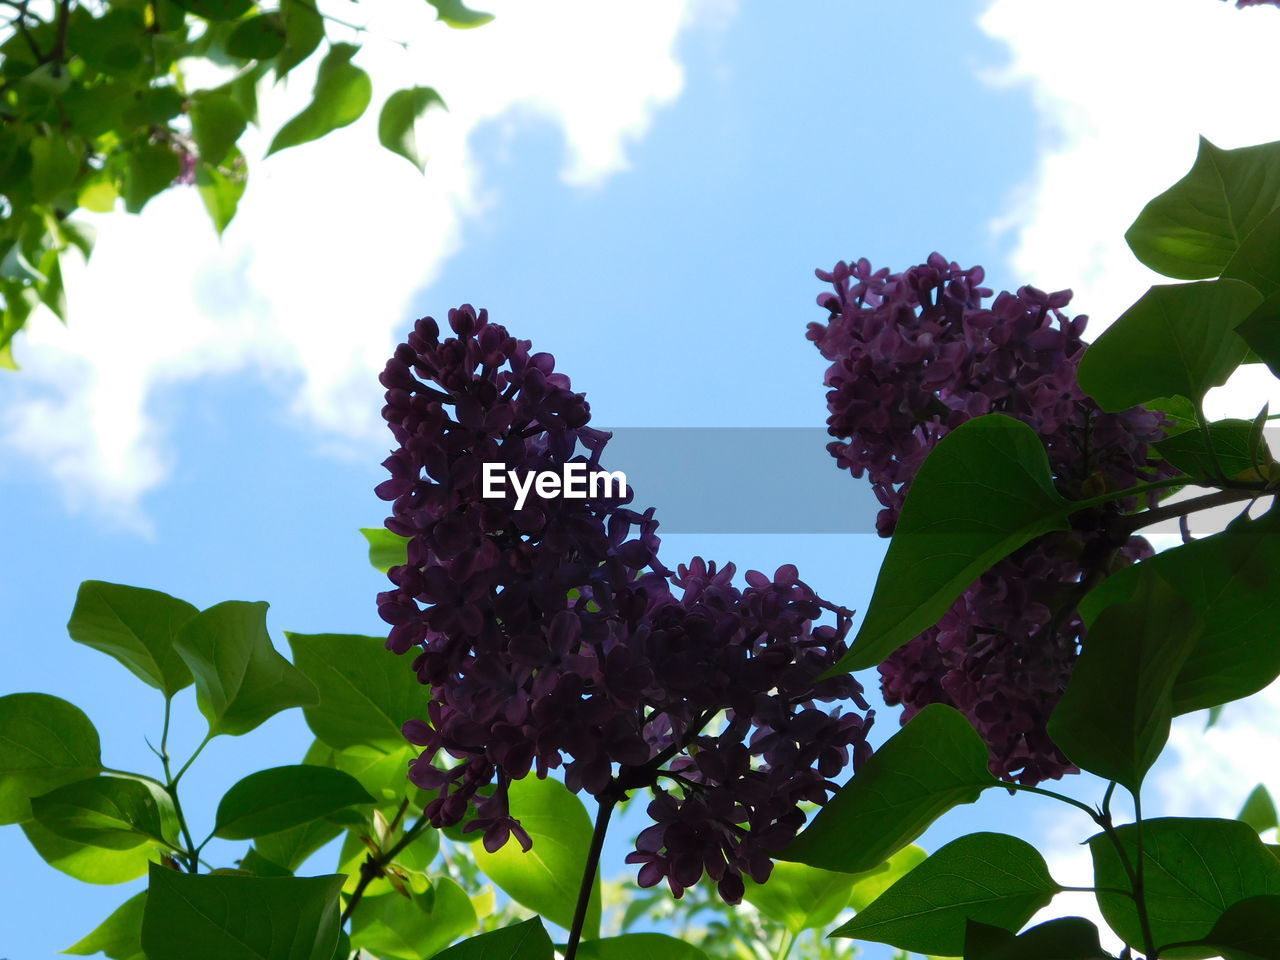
(914, 355)
(551, 636)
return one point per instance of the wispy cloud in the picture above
(314, 277)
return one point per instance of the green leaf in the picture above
(257, 864)
(457, 15)
(393, 926)
(1248, 930)
(520, 941)
(384, 773)
(1194, 228)
(868, 885)
(386, 549)
(235, 917)
(342, 93)
(52, 293)
(638, 946)
(240, 678)
(799, 896)
(303, 31)
(1194, 870)
(221, 188)
(112, 812)
(983, 492)
(54, 165)
(367, 693)
(1231, 580)
(119, 936)
(1257, 261)
(136, 626)
(110, 44)
(988, 877)
(1113, 719)
(153, 106)
(149, 169)
(258, 38)
(87, 863)
(1232, 442)
(396, 121)
(1066, 938)
(44, 743)
(1177, 339)
(283, 797)
(936, 762)
(546, 878)
(216, 9)
(1259, 810)
(291, 848)
(216, 123)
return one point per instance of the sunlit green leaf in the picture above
(119, 936)
(44, 743)
(283, 797)
(136, 626)
(342, 93)
(393, 926)
(396, 121)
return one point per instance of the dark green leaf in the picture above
(119, 936)
(520, 941)
(257, 864)
(152, 106)
(111, 812)
(283, 797)
(240, 678)
(1067, 938)
(87, 863)
(136, 626)
(386, 549)
(639, 946)
(396, 121)
(393, 926)
(457, 15)
(988, 877)
(366, 691)
(291, 848)
(546, 878)
(799, 896)
(1177, 339)
(983, 492)
(54, 165)
(1194, 870)
(216, 123)
(303, 31)
(258, 38)
(216, 9)
(342, 93)
(1248, 930)
(1257, 261)
(1113, 720)
(1259, 810)
(52, 293)
(1232, 582)
(937, 761)
(1194, 228)
(44, 743)
(1232, 443)
(233, 917)
(111, 44)
(149, 169)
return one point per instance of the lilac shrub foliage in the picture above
(552, 636)
(914, 355)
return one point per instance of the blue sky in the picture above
(208, 424)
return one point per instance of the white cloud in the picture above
(311, 283)
(1122, 91)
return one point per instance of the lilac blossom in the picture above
(914, 355)
(552, 638)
